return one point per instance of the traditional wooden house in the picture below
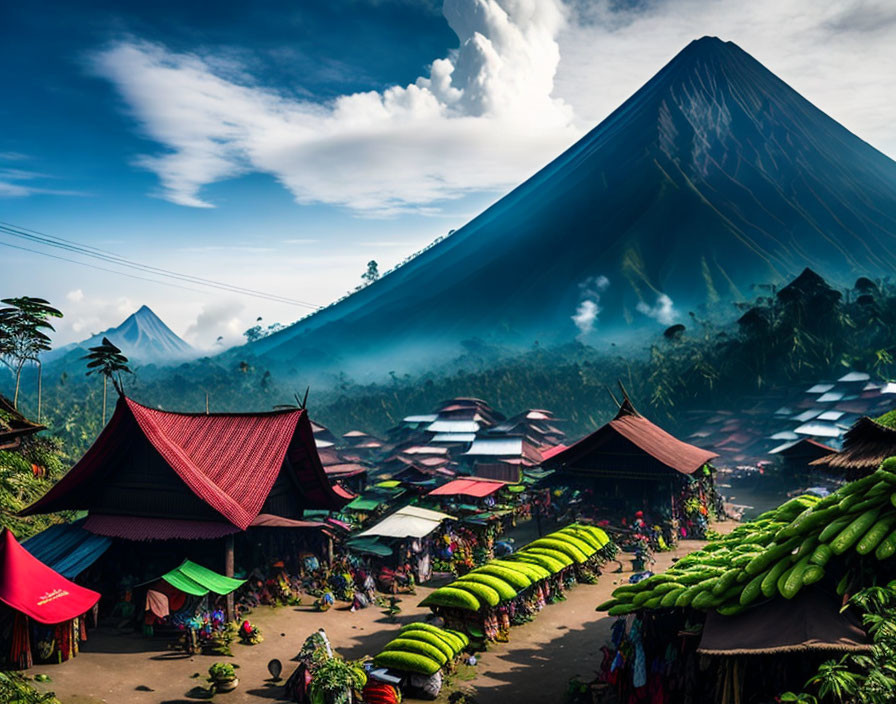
(866, 444)
(155, 475)
(14, 426)
(631, 464)
(795, 457)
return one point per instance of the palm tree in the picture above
(22, 336)
(107, 359)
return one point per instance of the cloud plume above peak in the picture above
(483, 117)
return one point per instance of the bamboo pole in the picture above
(228, 572)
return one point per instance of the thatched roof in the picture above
(865, 445)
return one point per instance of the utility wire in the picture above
(99, 268)
(114, 259)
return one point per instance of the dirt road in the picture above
(536, 665)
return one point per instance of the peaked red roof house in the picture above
(629, 446)
(158, 474)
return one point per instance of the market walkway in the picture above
(563, 641)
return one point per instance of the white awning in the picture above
(408, 522)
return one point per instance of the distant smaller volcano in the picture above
(143, 337)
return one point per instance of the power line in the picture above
(114, 259)
(99, 268)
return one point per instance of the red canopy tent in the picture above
(479, 488)
(27, 585)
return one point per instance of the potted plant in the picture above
(222, 675)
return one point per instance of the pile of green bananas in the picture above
(779, 553)
(503, 579)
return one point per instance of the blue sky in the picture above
(280, 145)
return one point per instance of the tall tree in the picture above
(22, 337)
(107, 359)
(372, 273)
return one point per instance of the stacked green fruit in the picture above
(503, 579)
(777, 554)
(422, 648)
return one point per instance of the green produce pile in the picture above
(15, 688)
(422, 648)
(503, 579)
(777, 554)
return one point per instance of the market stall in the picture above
(187, 601)
(488, 600)
(410, 535)
(42, 613)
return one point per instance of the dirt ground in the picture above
(536, 665)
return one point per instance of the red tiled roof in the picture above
(649, 438)
(229, 460)
(142, 528)
(479, 488)
(549, 452)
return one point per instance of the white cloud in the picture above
(86, 315)
(220, 319)
(482, 118)
(19, 183)
(838, 55)
(527, 80)
(662, 311)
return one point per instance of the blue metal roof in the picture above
(67, 548)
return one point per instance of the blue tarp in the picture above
(67, 548)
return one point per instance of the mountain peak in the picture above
(715, 176)
(142, 337)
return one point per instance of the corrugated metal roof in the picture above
(820, 389)
(496, 446)
(785, 435)
(424, 450)
(806, 416)
(479, 488)
(454, 437)
(830, 397)
(819, 429)
(831, 415)
(453, 426)
(420, 419)
(855, 377)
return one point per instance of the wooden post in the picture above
(228, 572)
(329, 551)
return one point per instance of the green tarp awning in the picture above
(362, 504)
(371, 546)
(198, 580)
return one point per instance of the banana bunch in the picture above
(779, 553)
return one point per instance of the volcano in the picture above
(143, 337)
(715, 177)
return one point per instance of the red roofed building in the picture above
(195, 472)
(630, 446)
(631, 461)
